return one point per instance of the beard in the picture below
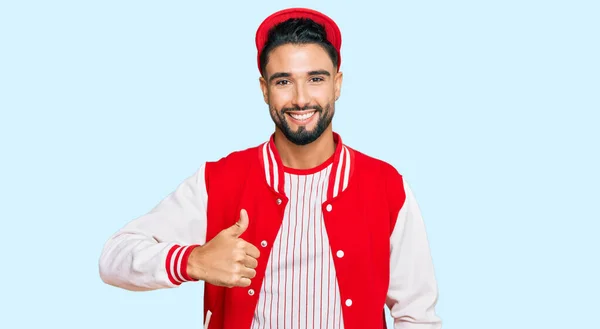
(302, 136)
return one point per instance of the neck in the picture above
(305, 156)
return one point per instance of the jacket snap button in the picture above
(263, 243)
(348, 302)
(340, 253)
(329, 207)
(251, 292)
(279, 201)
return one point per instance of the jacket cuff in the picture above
(176, 263)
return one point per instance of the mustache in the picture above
(304, 108)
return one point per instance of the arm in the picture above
(152, 251)
(412, 293)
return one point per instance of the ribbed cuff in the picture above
(176, 263)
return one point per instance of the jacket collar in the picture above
(342, 163)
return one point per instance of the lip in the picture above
(301, 122)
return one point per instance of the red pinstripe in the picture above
(301, 255)
(312, 182)
(286, 261)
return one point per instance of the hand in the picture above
(226, 260)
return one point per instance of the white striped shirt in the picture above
(300, 286)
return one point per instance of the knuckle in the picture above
(239, 257)
(235, 255)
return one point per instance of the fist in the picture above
(226, 260)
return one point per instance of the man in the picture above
(301, 231)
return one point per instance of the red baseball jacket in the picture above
(370, 214)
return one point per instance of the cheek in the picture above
(280, 98)
(323, 95)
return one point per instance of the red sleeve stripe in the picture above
(183, 263)
(168, 264)
(176, 264)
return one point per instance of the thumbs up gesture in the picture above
(226, 260)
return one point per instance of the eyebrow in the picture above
(286, 75)
(319, 72)
(279, 75)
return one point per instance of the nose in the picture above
(301, 96)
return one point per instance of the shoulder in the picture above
(238, 156)
(370, 165)
(235, 163)
(387, 175)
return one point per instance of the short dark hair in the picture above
(297, 31)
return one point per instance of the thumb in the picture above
(242, 224)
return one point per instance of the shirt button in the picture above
(251, 293)
(340, 253)
(329, 207)
(348, 302)
(263, 243)
(279, 201)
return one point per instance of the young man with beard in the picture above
(301, 231)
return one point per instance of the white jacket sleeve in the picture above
(412, 293)
(151, 251)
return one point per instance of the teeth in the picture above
(302, 117)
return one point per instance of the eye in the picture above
(316, 79)
(282, 82)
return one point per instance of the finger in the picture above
(248, 273)
(250, 262)
(244, 282)
(251, 250)
(241, 225)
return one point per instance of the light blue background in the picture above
(489, 109)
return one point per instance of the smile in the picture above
(302, 117)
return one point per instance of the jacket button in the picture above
(348, 302)
(279, 201)
(263, 243)
(340, 253)
(329, 207)
(251, 293)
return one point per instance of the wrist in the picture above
(193, 269)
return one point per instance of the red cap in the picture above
(331, 29)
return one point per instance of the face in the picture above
(301, 88)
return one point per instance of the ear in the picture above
(265, 89)
(338, 84)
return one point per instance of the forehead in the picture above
(299, 59)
